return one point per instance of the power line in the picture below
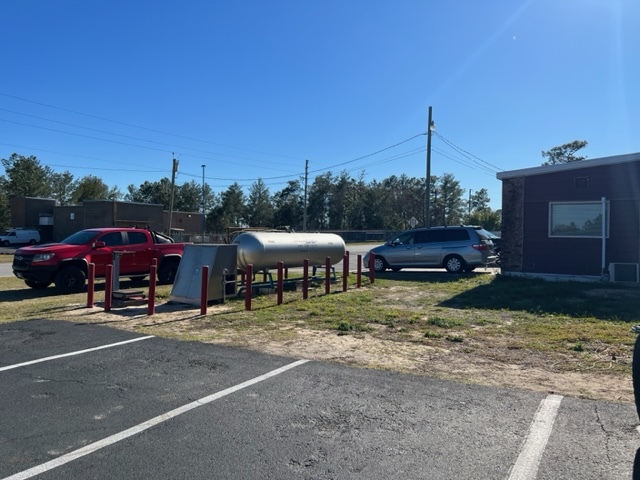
(80, 156)
(464, 163)
(81, 135)
(474, 158)
(141, 127)
(172, 146)
(368, 155)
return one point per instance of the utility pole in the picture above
(202, 239)
(174, 169)
(306, 182)
(469, 201)
(427, 195)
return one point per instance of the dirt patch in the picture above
(497, 364)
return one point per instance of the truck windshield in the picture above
(81, 238)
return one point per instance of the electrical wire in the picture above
(465, 163)
(173, 147)
(464, 152)
(469, 160)
(97, 117)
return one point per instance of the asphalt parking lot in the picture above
(87, 401)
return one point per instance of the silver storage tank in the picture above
(264, 250)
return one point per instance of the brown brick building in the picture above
(58, 222)
(552, 219)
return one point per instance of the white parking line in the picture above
(79, 352)
(69, 457)
(526, 467)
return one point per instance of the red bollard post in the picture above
(204, 290)
(280, 282)
(359, 272)
(108, 288)
(327, 275)
(347, 255)
(345, 271)
(153, 271)
(305, 279)
(91, 287)
(247, 285)
(372, 268)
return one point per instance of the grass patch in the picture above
(500, 317)
(431, 334)
(444, 322)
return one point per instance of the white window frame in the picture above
(589, 203)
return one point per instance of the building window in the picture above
(577, 219)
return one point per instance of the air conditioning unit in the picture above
(624, 272)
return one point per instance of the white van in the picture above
(19, 236)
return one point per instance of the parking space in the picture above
(158, 408)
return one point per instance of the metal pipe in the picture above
(305, 279)
(604, 235)
(327, 276)
(372, 269)
(203, 216)
(108, 288)
(247, 285)
(345, 271)
(153, 272)
(91, 288)
(204, 290)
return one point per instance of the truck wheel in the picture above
(37, 285)
(5, 243)
(167, 271)
(70, 280)
(32, 241)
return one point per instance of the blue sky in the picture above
(252, 89)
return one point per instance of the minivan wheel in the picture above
(379, 264)
(454, 264)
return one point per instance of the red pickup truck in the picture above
(66, 263)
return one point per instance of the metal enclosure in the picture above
(264, 250)
(221, 260)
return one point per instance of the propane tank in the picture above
(264, 250)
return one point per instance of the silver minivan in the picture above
(458, 249)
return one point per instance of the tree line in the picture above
(334, 201)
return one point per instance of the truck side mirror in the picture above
(98, 244)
